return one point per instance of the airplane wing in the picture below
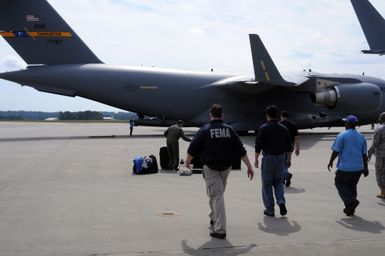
(247, 86)
(373, 25)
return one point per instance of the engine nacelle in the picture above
(350, 98)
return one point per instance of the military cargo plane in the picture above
(59, 62)
(373, 25)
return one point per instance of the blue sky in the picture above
(323, 35)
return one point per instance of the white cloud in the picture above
(196, 32)
(11, 62)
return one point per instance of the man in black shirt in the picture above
(216, 143)
(294, 137)
(273, 140)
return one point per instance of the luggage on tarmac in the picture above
(163, 158)
(145, 165)
(197, 165)
(185, 172)
(154, 163)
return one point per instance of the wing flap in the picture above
(247, 85)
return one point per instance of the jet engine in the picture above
(350, 98)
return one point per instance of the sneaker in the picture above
(350, 210)
(288, 180)
(282, 209)
(218, 235)
(267, 213)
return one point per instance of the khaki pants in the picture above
(380, 172)
(216, 184)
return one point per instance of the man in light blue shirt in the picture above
(351, 149)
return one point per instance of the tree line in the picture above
(83, 115)
(65, 115)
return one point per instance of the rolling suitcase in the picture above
(163, 158)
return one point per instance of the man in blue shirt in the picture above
(351, 149)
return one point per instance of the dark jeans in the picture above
(272, 171)
(286, 172)
(346, 184)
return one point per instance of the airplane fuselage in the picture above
(172, 94)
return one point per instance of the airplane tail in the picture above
(40, 36)
(373, 25)
(264, 67)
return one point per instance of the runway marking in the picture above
(169, 214)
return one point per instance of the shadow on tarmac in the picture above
(292, 190)
(216, 247)
(359, 224)
(279, 226)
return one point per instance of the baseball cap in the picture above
(350, 119)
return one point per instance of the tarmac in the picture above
(68, 189)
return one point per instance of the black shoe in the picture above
(288, 180)
(267, 213)
(218, 235)
(350, 210)
(282, 209)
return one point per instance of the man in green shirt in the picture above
(173, 133)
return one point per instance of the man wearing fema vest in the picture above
(216, 143)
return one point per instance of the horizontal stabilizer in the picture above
(373, 25)
(380, 52)
(264, 68)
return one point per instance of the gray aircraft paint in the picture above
(60, 63)
(373, 25)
